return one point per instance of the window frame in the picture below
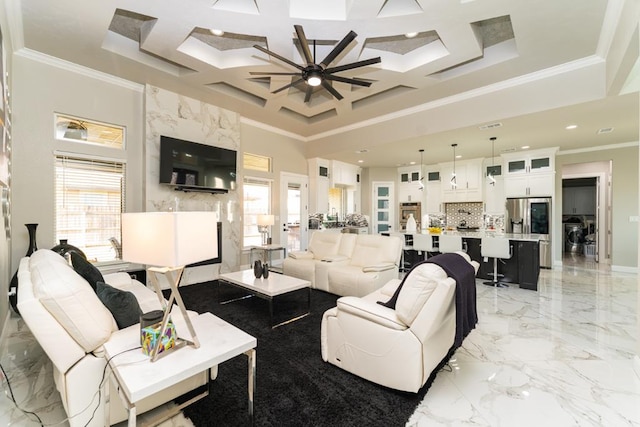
(249, 219)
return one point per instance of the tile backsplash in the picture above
(469, 212)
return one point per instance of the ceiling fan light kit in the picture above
(318, 74)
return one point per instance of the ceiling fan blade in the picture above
(267, 73)
(281, 58)
(353, 65)
(330, 88)
(304, 43)
(307, 95)
(338, 49)
(287, 86)
(347, 80)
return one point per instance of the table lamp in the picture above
(168, 241)
(264, 222)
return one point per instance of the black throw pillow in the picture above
(123, 305)
(87, 270)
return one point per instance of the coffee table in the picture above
(269, 288)
(138, 378)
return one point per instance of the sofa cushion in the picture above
(88, 271)
(417, 289)
(70, 300)
(324, 244)
(123, 305)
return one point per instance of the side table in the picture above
(138, 378)
(267, 255)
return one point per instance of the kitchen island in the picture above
(523, 268)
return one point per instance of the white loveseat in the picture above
(71, 325)
(346, 264)
(395, 347)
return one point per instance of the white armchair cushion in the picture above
(371, 311)
(301, 255)
(417, 289)
(70, 299)
(390, 287)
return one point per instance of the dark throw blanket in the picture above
(463, 273)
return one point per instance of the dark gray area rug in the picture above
(294, 386)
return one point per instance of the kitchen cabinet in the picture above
(409, 187)
(343, 174)
(433, 191)
(319, 185)
(469, 180)
(494, 193)
(530, 174)
(579, 200)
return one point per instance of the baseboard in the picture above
(636, 365)
(624, 269)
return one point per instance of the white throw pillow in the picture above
(417, 289)
(70, 299)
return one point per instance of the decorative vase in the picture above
(265, 271)
(13, 285)
(411, 224)
(257, 268)
(64, 248)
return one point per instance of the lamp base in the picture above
(172, 276)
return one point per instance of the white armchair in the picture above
(397, 348)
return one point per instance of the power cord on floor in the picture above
(13, 398)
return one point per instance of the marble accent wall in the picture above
(178, 116)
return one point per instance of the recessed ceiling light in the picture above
(570, 127)
(525, 147)
(458, 156)
(411, 35)
(412, 163)
(216, 32)
(360, 161)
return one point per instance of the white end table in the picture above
(139, 378)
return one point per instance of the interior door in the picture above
(383, 207)
(294, 213)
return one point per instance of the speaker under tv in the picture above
(191, 166)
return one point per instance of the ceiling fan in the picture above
(318, 74)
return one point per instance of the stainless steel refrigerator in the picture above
(531, 216)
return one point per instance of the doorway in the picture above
(586, 222)
(294, 215)
(383, 207)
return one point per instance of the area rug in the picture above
(294, 386)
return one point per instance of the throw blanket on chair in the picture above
(464, 274)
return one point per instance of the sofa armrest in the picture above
(378, 267)
(390, 287)
(300, 255)
(334, 258)
(370, 311)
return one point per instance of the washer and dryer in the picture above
(573, 237)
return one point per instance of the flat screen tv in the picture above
(190, 166)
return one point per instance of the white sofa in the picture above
(71, 325)
(345, 263)
(395, 347)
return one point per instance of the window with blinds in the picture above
(257, 201)
(89, 198)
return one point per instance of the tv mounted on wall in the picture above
(190, 166)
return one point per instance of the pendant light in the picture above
(421, 181)
(453, 181)
(492, 180)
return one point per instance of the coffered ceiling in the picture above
(519, 70)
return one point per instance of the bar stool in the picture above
(449, 243)
(496, 247)
(423, 243)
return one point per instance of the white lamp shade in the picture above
(169, 239)
(265, 220)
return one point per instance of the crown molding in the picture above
(78, 69)
(599, 148)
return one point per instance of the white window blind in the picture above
(257, 201)
(89, 197)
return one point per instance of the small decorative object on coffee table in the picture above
(265, 271)
(257, 268)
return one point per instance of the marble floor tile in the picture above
(561, 356)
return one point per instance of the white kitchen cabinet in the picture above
(319, 185)
(343, 174)
(530, 174)
(494, 193)
(469, 186)
(409, 188)
(433, 190)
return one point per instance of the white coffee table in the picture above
(139, 378)
(269, 288)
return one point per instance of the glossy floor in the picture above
(562, 356)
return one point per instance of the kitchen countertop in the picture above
(480, 234)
